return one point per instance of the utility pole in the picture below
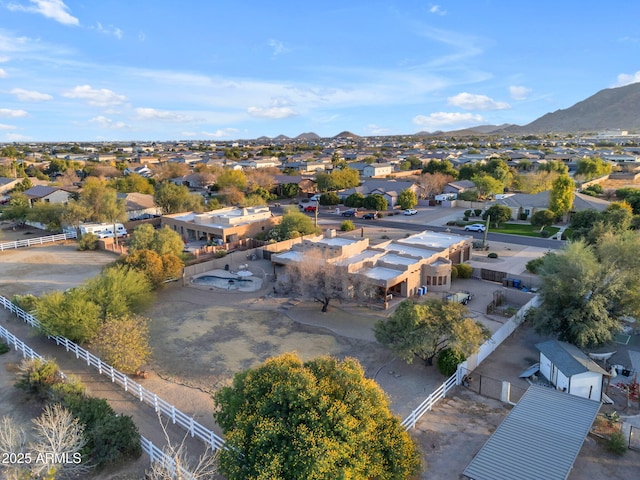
(486, 231)
(316, 212)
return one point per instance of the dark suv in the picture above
(369, 216)
(350, 213)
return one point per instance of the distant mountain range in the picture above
(609, 109)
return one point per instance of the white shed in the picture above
(570, 370)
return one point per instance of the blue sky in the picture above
(136, 70)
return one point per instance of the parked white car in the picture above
(410, 211)
(475, 227)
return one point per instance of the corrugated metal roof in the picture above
(569, 359)
(539, 439)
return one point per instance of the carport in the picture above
(539, 439)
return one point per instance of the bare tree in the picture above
(322, 279)
(13, 439)
(179, 467)
(432, 183)
(59, 439)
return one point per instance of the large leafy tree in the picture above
(407, 199)
(582, 297)
(422, 330)
(163, 241)
(440, 166)
(172, 198)
(124, 342)
(562, 193)
(593, 167)
(293, 224)
(72, 314)
(543, 218)
(375, 202)
(320, 419)
(498, 213)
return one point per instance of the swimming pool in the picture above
(229, 283)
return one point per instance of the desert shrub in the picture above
(477, 212)
(465, 219)
(347, 226)
(329, 198)
(492, 255)
(88, 241)
(534, 265)
(37, 376)
(26, 302)
(4, 348)
(545, 233)
(464, 270)
(448, 361)
(451, 223)
(380, 214)
(523, 216)
(617, 443)
(221, 253)
(467, 213)
(68, 392)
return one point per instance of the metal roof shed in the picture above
(540, 438)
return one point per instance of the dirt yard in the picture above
(201, 337)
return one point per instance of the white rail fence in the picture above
(134, 388)
(29, 242)
(470, 363)
(155, 454)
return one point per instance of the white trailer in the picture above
(103, 230)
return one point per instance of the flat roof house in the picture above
(226, 224)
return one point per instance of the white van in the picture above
(103, 230)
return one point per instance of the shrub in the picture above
(69, 392)
(26, 302)
(523, 216)
(448, 361)
(4, 348)
(88, 241)
(451, 223)
(477, 212)
(37, 376)
(545, 233)
(347, 226)
(493, 255)
(464, 270)
(467, 213)
(465, 219)
(329, 198)
(221, 253)
(454, 272)
(534, 265)
(617, 443)
(380, 214)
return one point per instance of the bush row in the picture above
(110, 437)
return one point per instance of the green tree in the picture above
(499, 214)
(321, 419)
(407, 199)
(48, 214)
(375, 202)
(232, 178)
(18, 209)
(487, 186)
(132, 183)
(424, 329)
(172, 198)
(581, 298)
(290, 190)
(329, 198)
(157, 268)
(561, 197)
(293, 224)
(543, 218)
(72, 314)
(354, 200)
(440, 166)
(119, 291)
(592, 167)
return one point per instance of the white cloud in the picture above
(6, 127)
(444, 119)
(53, 9)
(272, 112)
(96, 97)
(469, 101)
(626, 79)
(163, 115)
(4, 59)
(30, 95)
(110, 30)
(221, 133)
(278, 47)
(17, 137)
(373, 129)
(107, 122)
(437, 10)
(8, 113)
(518, 92)
(3, 73)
